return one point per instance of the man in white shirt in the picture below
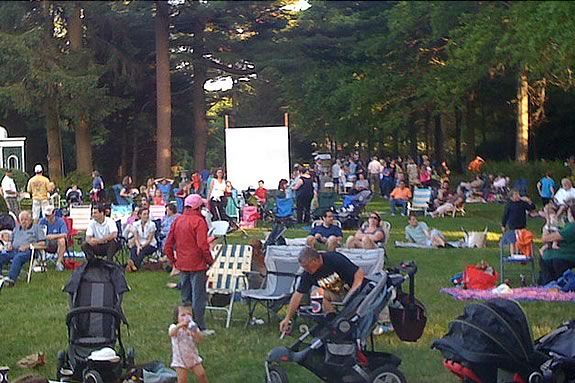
(374, 168)
(564, 196)
(101, 235)
(10, 192)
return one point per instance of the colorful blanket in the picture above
(520, 294)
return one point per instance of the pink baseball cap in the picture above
(195, 201)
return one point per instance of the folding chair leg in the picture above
(31, 266)
(229, 310)
(252, 304)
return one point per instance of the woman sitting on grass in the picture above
(369, 236)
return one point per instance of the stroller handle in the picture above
(99, 310)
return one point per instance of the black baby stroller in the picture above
(337, 350)
(491, 342)
(94, 323)
(353, 205)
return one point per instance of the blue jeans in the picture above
(193, 285)
(398, 202)
(18, 258)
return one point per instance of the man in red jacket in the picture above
(189, 238)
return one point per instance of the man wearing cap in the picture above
(101, 235)
(56, 233)
(39, 187)
(189, 238)
(19, 251)
(10, 192)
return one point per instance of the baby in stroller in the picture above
(335, 348)
(95, 351)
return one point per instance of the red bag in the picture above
(70, 264)
(476, 278)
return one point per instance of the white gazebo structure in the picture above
(12, 151)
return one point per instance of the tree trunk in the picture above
(83, 137)
(427, 132)
(54, 139)
(163, 91)
(522, 137)
(438, 135)
(199, 99)
(123, 154)
(470, 128)
(134, 172)
(458, 139)
(412, 137)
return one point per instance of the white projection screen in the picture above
(257, 153)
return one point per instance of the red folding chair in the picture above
(72, 233)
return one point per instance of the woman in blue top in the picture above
(96, 194)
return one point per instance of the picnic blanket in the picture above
(413, 245)
(519, 294)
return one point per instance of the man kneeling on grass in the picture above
(19, 251)
(327, 233)
(333, 272)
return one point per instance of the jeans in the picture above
(193, 285)
(107, 249)
(139, 258)
(19, 258)
(398, 202)
(553, 269)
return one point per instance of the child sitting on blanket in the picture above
(419, 233)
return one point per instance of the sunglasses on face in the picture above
(373, 216)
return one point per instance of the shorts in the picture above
(508, 237)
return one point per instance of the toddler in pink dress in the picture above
(185, 357)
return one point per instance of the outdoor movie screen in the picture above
(254, 153)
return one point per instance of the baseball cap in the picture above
(47, 210)
(38, 168)
(194, 201)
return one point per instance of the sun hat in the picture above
(194, 201)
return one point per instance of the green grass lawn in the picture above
(33, 316)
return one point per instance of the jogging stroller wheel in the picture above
(60, 365)
(277, 375)
(387, 374)
(130, 358)
(92, 376)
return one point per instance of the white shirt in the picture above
(143, 233)
(563, 196)
(9, 186)
(374, 167)
(218, 189)
(101, 230)
(335, 169)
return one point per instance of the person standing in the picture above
(189, 235)
(374, 169)
(515, 218)
(216, 196)
(304, 195)
(40, 188)
(10, 192)
(96, 194)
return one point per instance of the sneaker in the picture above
(256, 321)
(393, 214)
(171, 285)
(59, 266)
(207, 332)
(8, 282)
(382, 329)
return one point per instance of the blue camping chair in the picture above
(119, 199)
(522, 186)
(283, 208)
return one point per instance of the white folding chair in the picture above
(227, 276)
(38, 255)
(420, 201)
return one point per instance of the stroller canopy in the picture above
(97, 270)
(495, 332)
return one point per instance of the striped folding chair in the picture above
(227, 276)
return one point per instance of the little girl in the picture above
(158, 198)
(185, 333)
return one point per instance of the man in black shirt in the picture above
(515, 213)
(515, 217)
(332, 271)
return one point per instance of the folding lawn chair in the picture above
(420, 200)
(81, 216)
(37, 259)
(326, 201)
(279, 284)
(157, 212)
(227, 276)
(506, 260)
(370, 260)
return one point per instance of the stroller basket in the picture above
(340, 354)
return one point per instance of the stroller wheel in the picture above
(387, 374)
(130, 358)
(277, 375)
(92, 376)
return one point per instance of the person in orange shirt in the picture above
(399, 197)
(475, 165)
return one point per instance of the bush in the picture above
(83, 181)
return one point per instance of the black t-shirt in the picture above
(337, 271)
